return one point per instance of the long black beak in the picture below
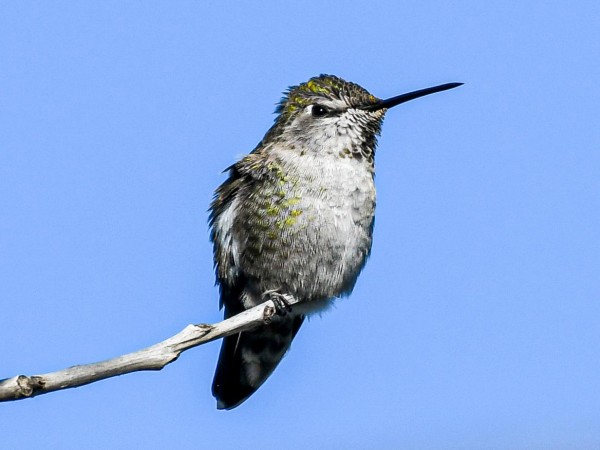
(394, 101)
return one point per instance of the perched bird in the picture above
(295, 218)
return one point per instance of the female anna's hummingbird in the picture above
(295, 218)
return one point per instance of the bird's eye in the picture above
(319, 111)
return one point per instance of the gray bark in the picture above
(151, 358)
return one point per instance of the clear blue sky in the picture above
(476, 323)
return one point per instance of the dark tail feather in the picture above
(247, 359)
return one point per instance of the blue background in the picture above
(476, 323)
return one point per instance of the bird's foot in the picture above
(281, 301)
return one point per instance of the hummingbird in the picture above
(295, 219)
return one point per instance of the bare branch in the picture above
(152, 358)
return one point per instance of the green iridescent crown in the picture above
(329, 86)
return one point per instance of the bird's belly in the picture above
(309, 237)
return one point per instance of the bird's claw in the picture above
(281, 302)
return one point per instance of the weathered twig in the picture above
(152, 358)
